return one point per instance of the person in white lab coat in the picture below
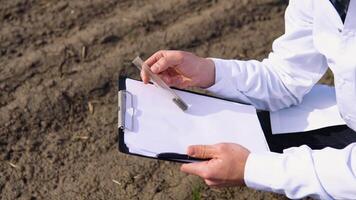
(317, 36)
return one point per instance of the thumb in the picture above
(201, 151)
(198, 168)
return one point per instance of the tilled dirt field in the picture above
(59, 64)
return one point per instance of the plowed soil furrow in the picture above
(94, 37)
(245, 47)
(171, 36)
(91, 76)
(39, 23)
(122, 21)
(59, 57)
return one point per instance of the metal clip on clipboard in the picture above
(126, 103)
(122, 109)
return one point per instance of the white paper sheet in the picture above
(317, 110)
(159, 126)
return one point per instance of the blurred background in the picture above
(59, 65)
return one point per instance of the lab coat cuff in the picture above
(262, 170)
(226, 73)
(222, 75)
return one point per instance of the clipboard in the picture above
(334, 136)
(125, 121)
(337, 137)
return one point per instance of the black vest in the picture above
(341, 7)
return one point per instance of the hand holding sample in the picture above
(181, 69)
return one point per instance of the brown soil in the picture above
(59, 64)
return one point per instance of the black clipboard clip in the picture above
(125, 104)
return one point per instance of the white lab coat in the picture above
(315, 39)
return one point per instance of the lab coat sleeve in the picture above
(289, 72)
(281, 80)
(300, 172)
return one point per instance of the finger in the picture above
(177, 81)
(150, 61)
(212, 183)
(169, 59)
(161, 65)
(202, 151)
(144, 76)
(154, 58)
(198, 168)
